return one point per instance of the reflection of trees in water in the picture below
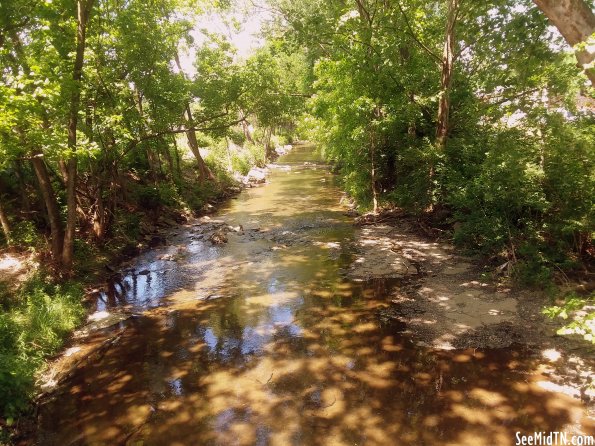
(346, 376)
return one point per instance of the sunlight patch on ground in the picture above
(8, 262)
(551, 354)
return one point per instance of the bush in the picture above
(240, 164)
(580, 310)
(148, 197)
(529, 197)
(24, 234)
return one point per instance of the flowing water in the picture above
(264, 341)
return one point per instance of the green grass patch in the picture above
(34, 323)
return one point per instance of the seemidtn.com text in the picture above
(554, 438)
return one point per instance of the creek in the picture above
(263, 340)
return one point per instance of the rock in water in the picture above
(256, 175)
(218, 238)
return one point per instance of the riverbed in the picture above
(265, 338)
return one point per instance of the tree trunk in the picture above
(203, 170)
(447, 65)
(246, 127)
(169, 159)
(51, 205)
(4, 223)
(576, 22)
(150, 154)
(177, 153)
(229, 159)
(269, 153)
(83, 10)
(373, 176)
(25, 203)
(448, 52)
(100, 217)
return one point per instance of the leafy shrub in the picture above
(127, 224)
(236, 135)
(582, 312)
(168, 194)
(148, 197)
(26, 235)
(240, 164)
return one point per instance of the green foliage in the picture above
(33, 327)
(580, 310)
(126, 225)
(151, 198)
(25, 235)
(240, 164)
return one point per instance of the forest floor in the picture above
(15, 268)
(449, 301)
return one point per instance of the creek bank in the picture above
(446, 302)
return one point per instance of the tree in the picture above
(448, 59)
(83, 11)
(576, 22)
(203, 170)
(4, 222)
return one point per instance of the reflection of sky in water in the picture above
(164, 277)
(224, 418)
(274, 286)
(282, 316)
(210, 339)
(280, 322)
(176, 387)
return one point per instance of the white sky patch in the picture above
(241, 29)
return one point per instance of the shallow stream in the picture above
(264, 341)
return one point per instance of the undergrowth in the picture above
(34, 322)
(579, 314)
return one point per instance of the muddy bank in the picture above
(447, 302)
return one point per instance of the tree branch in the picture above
(412, 33)
(132, 144)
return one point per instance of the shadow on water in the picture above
(288, 352)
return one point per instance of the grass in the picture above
(34, 322)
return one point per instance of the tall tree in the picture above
(448, 60)
(83, 11)
(4, 221)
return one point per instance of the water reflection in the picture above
(274, 347)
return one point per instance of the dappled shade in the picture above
(286, 350)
